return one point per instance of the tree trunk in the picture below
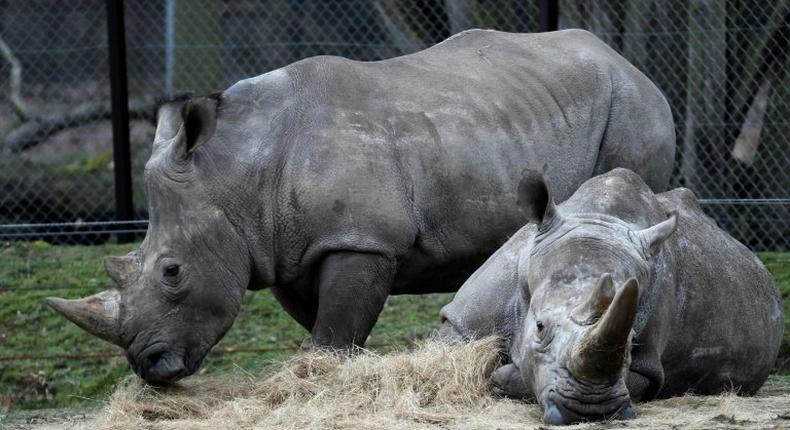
(635, 25)
(402, 36)
(459, 15)
(197, 66)
(703, 163)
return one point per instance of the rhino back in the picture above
(728, 309)
(420, 155)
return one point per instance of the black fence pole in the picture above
(124, 206)
(549, 15)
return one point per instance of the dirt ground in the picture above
(432, 387)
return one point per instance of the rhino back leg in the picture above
(352, 289)
(640, 131)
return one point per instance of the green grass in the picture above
(30, 272)
(779, 265)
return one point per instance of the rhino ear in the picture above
(534, 197)
(183, 125)
(200, 121)
(651, 238)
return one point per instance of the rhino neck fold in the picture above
(258, 233)
(250, 211)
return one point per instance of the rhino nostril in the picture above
(628, 412)
(552, 416)
(160, 366)
(155, 357)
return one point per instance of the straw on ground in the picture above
(432, 386)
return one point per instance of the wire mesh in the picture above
(721, 64)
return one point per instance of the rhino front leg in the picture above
(352, 289)
(301, 307)
(645, 375)
(506, 381)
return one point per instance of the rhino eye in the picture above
(171, 271)
(540, 326)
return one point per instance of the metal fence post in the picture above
(549, 15)
(124, 207)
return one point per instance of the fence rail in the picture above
(68, 173)
(215, 351)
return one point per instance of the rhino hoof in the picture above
(628, 413)
(552, 416)
(499, 393)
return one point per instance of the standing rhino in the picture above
(603, 299)
(336, 183)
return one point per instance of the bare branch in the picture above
(15, 81)
(33, 131)
(748, 140)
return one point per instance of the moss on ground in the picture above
(30, 272)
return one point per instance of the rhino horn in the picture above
(602, 351)
(598, 302)
(651, 238)
(97, 314)
(122, 270)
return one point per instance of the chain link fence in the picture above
(721, 63)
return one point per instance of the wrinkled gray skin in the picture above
(605, 299)
(336, 183)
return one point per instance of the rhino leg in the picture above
(645, 376)
(300, 307)
(352, 289)
(506, 381)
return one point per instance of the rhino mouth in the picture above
(574, 410)
(162, 364)
(572, 400)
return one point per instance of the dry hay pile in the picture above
(434, 386)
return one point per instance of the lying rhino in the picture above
(336, 183)
(604, 300)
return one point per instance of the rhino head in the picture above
(582, 278)
(181, 290)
